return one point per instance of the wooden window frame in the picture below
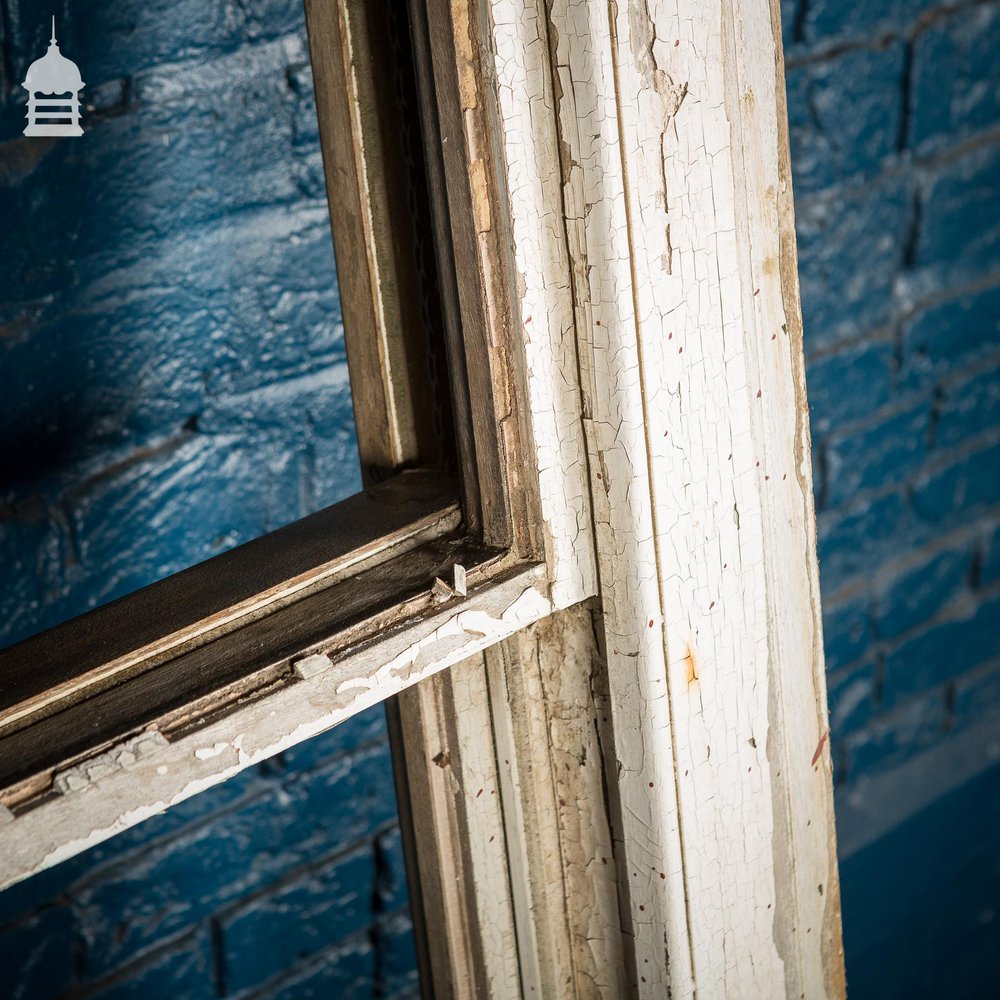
(622, 785)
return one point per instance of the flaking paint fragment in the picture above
(117, 758)
(528, 607)
(309, 666)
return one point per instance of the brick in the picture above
(850, 385)
(977, 698)
(126, 38)
(950, 335)
(850, 695)
(846, 628)
(86, 378)
(946, 649)
(36, 956)
(154, 358)
(989, 558)
(909, 597)
(887, 453)
(289, 406)
(153, 336)
(397, 958)
(162, 169)
(178, 970)
(956, 78)
(347, 970)
(789, 15)
(29, 173)
(203, 494)
(828, 146)
(967, 408)
(151, 356)
(194, 127)
(309, 175)
(108, 858)
(851, 248)
(334, 466)
(19, 901)
(348, 799)
(967, 486)
(891, 739)
(959, 234)
(818, 473)
(856, 542)
(920, 915)
(176, 883)
(858, 19)
(296, 919)
(31, 554)
(391, 883)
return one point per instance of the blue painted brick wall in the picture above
(174, 383)
(894, 110)
(171, 352)
(287, 880)
(179, 358)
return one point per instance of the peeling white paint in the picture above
(145, 776)
(690, 386)
(544, 295)
(482, 625)
(116, 758)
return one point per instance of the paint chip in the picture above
(116, 758)
(443, 592)
(310, 666)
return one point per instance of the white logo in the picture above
(57, 76)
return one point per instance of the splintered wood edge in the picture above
(134, 781)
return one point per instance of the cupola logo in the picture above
(57, 80)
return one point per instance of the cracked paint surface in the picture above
(688, 362)
(148, 774)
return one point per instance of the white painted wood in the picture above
(677, 220)
(514, 853)
(124, 786)
(550, 719)
(543, 293)
(465, 888)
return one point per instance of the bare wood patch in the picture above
(513, 853)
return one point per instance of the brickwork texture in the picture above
(894, 109)
(172, 368)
